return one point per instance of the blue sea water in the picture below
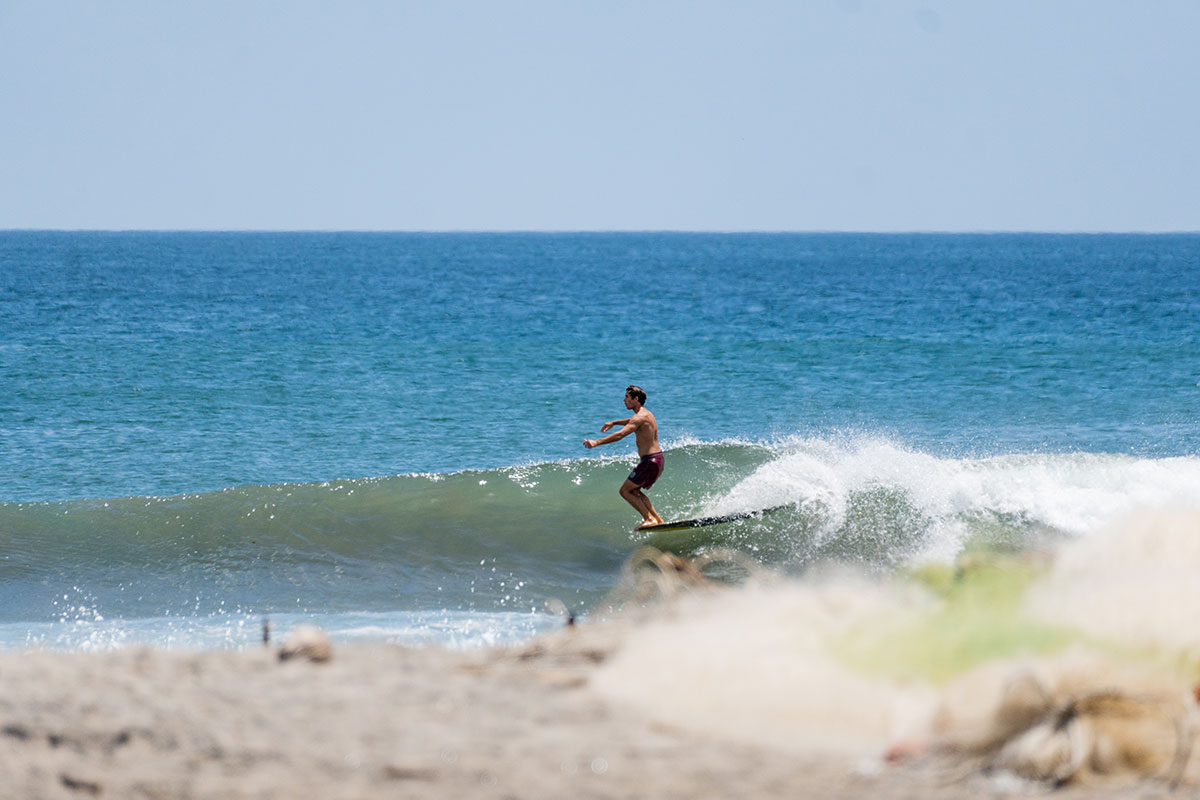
(382, 432)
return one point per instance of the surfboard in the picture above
(702, 522)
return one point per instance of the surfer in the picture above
(643, 424)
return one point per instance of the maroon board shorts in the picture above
(647, 470)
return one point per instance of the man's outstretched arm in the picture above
(612, 437)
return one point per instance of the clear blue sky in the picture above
(1067, 115)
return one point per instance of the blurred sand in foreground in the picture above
(380, 721)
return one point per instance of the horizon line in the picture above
(677, 231)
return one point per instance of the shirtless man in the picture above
(651, 466)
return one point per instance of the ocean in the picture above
(382, 433)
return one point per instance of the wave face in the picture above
(505, 541)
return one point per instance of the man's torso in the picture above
(646, 427)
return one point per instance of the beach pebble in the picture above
(307, 642)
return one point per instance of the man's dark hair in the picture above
(637, 392)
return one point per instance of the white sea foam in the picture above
(460, 630)
(1075, 494)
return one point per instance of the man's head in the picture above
(635, 393)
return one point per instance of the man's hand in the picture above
(589, 443)
(606, 426)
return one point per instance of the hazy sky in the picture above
(862, 115)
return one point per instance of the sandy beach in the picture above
(546, 720)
